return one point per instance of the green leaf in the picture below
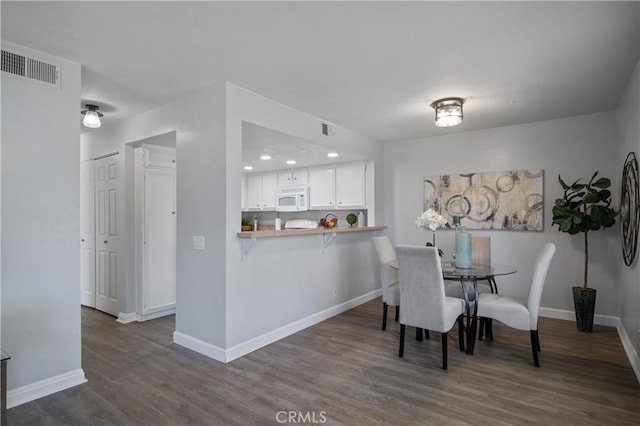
(564, 185)
(578, 186)
(591, 197)
(593, 177)
(604, 195)
(602, 183)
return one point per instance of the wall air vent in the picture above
(29, 68)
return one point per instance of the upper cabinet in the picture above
(350, 185)
(322, 194)
(261, 191)
(337, 186)
(293, 177)
(159, 157)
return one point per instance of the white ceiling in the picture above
(373, 67)
(258, 141)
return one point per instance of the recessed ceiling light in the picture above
(332, 154)
(248, 168)
(291, 161)
(265, 157)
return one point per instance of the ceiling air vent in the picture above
(25, 67)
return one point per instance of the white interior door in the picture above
(106, 231)
(159, 280)
(87, 235)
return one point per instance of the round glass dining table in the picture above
(471, 276)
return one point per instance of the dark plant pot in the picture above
(584, 300)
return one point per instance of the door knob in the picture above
(173, 212)
(82, 240)
(105, 241)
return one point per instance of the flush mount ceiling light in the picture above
(248, 168)
(448, 111)
(265, 157)
(91, 116)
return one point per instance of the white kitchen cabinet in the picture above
(243, 193)
(350, 185)
(261, 191)
(254, 192)
(269, 189)
(322, 188)
(293, 177)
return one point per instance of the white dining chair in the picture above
(520, 313)
(422, 296)
(388, 277)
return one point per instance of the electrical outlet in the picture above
(335, 292)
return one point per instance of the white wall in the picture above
(574, 147)
(628, 139)
(199, 122)
(284, 280)
(40, 227)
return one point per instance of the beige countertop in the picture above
(318, 231)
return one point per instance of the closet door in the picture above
(159, 278)
(106, 231)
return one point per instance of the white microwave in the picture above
(292, 199)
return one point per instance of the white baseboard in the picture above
(241, 349)
(632, 354)
(200, 346)
(45, 387)
(157, 314)
(251, 345)
(605, 320)
(127, 317)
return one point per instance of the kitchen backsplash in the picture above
(268, 218)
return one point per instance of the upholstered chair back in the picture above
(481, 250)
(422, 294)
(388, 269)
(537, 283)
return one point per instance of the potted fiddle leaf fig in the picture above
(584, 207)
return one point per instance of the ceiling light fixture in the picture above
(248, 168)
(265, 157)
(448, 111)
(332, 154)
(91, 116)
(291, 161)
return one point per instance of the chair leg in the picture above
(444, 351)
(534, 347)
(418, 334)
(481, 333)
(397, 312)
(401, 352)
(427, 335)
(490, 329)
(461, 332)
(385, 308)
(538, 341)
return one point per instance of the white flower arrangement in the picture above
(432, 220)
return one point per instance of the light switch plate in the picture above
(198, 242)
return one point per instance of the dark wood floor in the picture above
(345, 370)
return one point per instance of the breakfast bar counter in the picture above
(317, 231)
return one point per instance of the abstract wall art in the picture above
(629, 210)
(508, 200)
